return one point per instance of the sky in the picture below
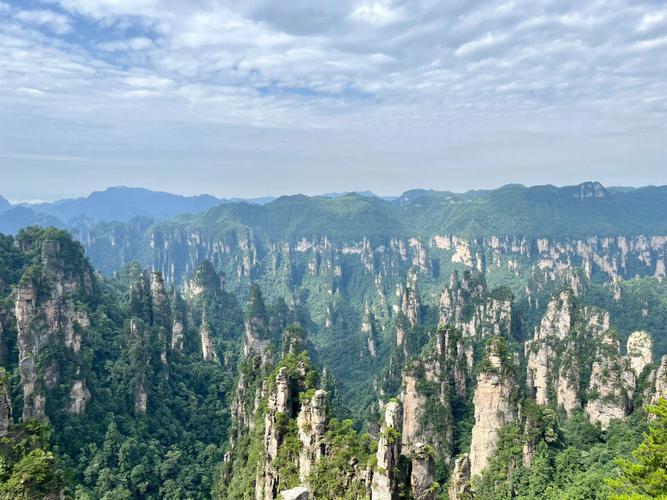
(269, 97)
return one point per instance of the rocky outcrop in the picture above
(495, 403)
(140, 365)
(425, 398)
(256, 328)
(47, 314)
(266, 484)
(79, 395)
(541, 354)
(312, 425)
(161, 313)
(385, 480)
(610, 387)
(459, 481)
(466, 305)
(368, 332)
(298, 493)
(177, 330)
(208, 352)
(657, 383)
(414, 405)
(5, 404)
(422, 472)
(640, 351)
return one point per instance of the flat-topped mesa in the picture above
(495, 402)
(385, 480)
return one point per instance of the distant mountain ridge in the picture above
(117, 204)
(572, 211)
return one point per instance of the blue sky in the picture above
(270, 97)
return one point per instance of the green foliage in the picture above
(646, 475)
(28, 468)
(336, 475)
(569, 462)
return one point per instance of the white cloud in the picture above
(487, 41)
(57, 23)
(374, 73)
(130, 44)
(377, 12)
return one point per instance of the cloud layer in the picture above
(271, 96)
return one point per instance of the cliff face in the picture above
(5, 405)
(279, 408)
(312, 424)
(48, 313)
(385, 480)
(495, 403)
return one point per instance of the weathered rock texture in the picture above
(459, 482)
(47, 313)
(266, 484)
(640, 351)
(312, 425)
(385, 480)
(495, 404)
(422, 471)
(5, 404)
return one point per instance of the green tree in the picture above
(646, 475)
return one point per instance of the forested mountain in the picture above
(119, 204)
(494, 344)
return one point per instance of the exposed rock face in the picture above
(659, 382)
(495, 405)
(541, 355)
(422, 472)
(161, 313)
(140, 392)
(46, 314)
(425, 397)
(208, 352)
(640, 351)
(298, 493)
(5, 405)
(414, 404)
(609, 387)
(368, 332)
(255, 341)
(79, 395)
(266, 484)
(410, 303)
(459, 482)
(177, 336)
(385, 482)
(467, 306)
(312, 425)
